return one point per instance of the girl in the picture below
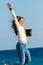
(18, 25)
(4, 63)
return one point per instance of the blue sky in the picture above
(32, 10)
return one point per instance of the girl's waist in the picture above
(22, 43)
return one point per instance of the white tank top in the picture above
(22, 35)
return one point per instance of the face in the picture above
(21, 22)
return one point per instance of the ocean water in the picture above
(10, 57)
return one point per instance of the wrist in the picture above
(10, 9)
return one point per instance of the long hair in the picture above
(14, 25)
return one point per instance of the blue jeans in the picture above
(23, 52)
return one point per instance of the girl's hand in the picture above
(9, 5)
(31, 32)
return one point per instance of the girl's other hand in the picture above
(9, 5)
(31, 32)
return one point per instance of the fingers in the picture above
(9, 5)
(31, 32)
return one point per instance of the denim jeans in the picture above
(23, 52)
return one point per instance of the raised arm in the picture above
(13, 14)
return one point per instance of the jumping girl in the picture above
(18, 25)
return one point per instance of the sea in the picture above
(10, 57)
